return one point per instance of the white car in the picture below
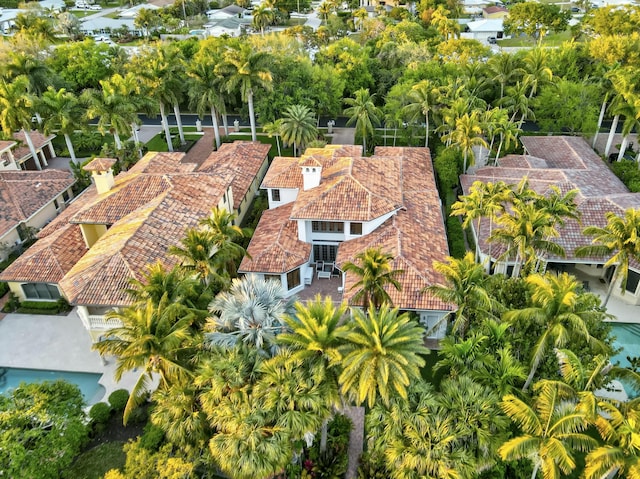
(95, 7)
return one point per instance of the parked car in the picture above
(492, 40)
(95, 7)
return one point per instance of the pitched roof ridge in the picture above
(16, 202)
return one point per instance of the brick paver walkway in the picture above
(202, 149)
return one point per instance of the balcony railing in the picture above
(100, 322)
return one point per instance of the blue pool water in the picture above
(11, 378)
(628, 338)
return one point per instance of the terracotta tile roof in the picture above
(4, 144)
(141, 238)
(38, 139)
(49, 259)
(283, 173)
(100, 164)
(353, 189)
(495, 9)
(242, 158)
(415, 236)
(23, 193)
(154, 162)
(569, 163)
(276, 249)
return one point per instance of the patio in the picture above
(323, 287)
(623, 312)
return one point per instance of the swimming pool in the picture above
(92, 391)
(628, 338)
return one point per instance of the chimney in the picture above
(102, 173)
(311, 174)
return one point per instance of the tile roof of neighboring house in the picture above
(38, 139)
(277, 248)
(23, 193)
(156, 201)
(49, 259)
(6, 144)
(415, 236)
(243, 158)
(495, 9)
(566, 162)
(353, 189)
(100, 164)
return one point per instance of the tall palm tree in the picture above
(149, 340)
(298, 127)
(382, 354)
(251, 312)
(16, 105)
(374, 275)
(205, 91)
(465, 288)
(116, 104)
(273, 129)
(423, 97)
(62, 112)
(159, 68)
(552, 430)
(509, 132)
(517, 102)
(504, 68)
(536, 67)
(35, 69)
(558, 305)
(225, 237)
(197, 253)
(263, 16)
(364, 113)
(620, 237)
(466, 135)
(631, 122)
(314, 337)
(245, 69)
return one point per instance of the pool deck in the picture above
(59, 343)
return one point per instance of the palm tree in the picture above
(246, 69)
(517, 101)
(315, 338)
(116, 104)
(536, 67)
(273, 129)
(160, 71)
(503, 68)
(149, 340)
(509, 132)
(251, 312)
(298, 126)
(16, 105)
(619, 427)
(381, 355)
(552, 429)
(465, 288)
(36, 70)
(262, 16)
(374, 275)
(424, 97)
(619, 238)
(205, 91)
(197, 253)
(558, 305)
(62, 112)
(225, 237)
(466, 135)
(631, 122)
(363, 112)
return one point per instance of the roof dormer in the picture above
(102, 173)
(311, 173)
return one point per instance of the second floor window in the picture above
(327, 227)
(355, 228)
(275, 195)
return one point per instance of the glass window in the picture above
(65, 196)
(272, 277)
(356, 228)
(40, 291)
(325, 252)
(293, 278)
(275, 195)
(327, 227)
(632, 281)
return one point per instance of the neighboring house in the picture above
(30, 200)
(231, 26)
(41, 143)
(495, 12)
(105, 25)
(230, 11)
(118, 226)
(8, 19)
(333, 203)
(569, 163)
(481, 30)
(55, 6)
(133, 11)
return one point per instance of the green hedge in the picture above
(455, 235)
(4, 289)
(39, 307)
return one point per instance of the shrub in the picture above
(12, 304)
(118, 399)
(100, 413)
(152, 437)
(46, 305)
(455, 237)
(4, 288)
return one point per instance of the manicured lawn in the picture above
(551, 40)
(158, 143)
(94, 463)
(85, 144)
